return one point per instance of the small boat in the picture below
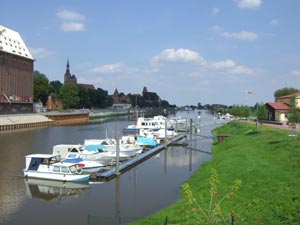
(96, 154)
(48, 166)
(158, 134)
(126, 147)
(155, 122)
(88, 166)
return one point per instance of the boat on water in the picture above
(88, 166)
(96, 154)
(158, 134)
(91, 152)
(48, 166)
(127, 147)
(155, 122)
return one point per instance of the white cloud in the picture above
(185, 55)
(40, 53)
(241, 70)
(71, 21)
(248, 4)
(70, 15)
(274, 22)
(215, 11)
(228, 63)
(109, 68)
(178, 55)
(295, 73)
(242, 35)
(72, 26)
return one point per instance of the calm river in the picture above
(139, 192)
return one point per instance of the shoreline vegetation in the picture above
(252, 178)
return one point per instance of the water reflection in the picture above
(50, 190)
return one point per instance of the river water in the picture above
(139, 192)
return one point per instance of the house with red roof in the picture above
(278, 111)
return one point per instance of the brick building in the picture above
(16, 73)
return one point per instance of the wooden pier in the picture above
(113, 172)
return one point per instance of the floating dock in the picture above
(113, 172)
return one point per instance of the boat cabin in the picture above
(33, 161)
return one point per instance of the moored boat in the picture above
(89, 166)
(47, 166)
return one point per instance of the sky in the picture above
(231, 52)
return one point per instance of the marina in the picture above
(149, 181)
(117, 170)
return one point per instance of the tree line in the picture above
(77, 96)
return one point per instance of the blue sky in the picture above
(190, 51)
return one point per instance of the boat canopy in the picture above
(94, 147)
(146, 141)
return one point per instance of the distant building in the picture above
(279, 110)
(120, 98)
(16, 73)
(69, 78)
(54, 104)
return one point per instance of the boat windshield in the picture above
(73, 169)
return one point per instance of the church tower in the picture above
(68, 77)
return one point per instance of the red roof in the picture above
(289, 96)
(279, 105)
(88, 86)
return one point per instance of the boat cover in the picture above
(94, 147)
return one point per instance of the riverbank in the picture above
(11, 122)
(266, 163)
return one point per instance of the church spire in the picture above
(68, 67)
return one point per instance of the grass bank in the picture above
(266, 166)
(108, 116)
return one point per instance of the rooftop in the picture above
(11, 42)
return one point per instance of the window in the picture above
(56, 169)
(64, 169)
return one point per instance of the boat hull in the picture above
(57, 176)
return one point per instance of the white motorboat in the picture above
(155, 122)
(47, 166)
(127, 148)
(96, 154)
(89, 166)
(158, 134)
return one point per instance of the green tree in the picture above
(262, 112)
(40, 87)
(99, 98)
(285, 91)
(294, 113)
(240, 110)
(54, 88)
(69, 95)
(84, 99)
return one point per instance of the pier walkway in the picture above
(114, 171)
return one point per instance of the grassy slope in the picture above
(266, 162)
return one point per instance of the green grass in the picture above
(267, 163)
(108, 116)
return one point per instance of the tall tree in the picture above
(40, 87)
(54, 88)
(285, 91)
(84, 99)
(294, 113)
(262, 112)
(69, 95)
